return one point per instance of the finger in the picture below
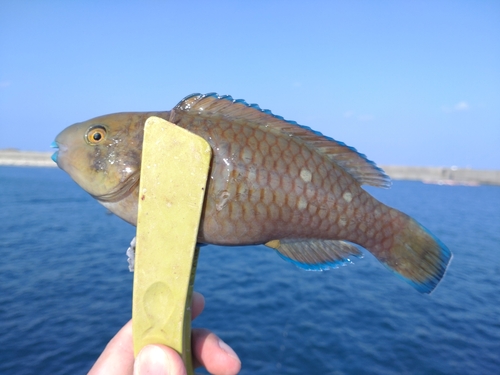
(214, 354)
(158, 360)
(197, 304)
(118, 356)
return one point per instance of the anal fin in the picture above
(316, 255)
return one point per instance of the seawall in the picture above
(15, 157)
(444, 175)
(437, 175)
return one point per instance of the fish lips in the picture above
(60, 149)
(55, 154)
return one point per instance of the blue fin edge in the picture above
(318, 266)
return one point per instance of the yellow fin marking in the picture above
(274, 244)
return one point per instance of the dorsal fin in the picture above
(353, 162)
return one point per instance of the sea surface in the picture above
(65, 289)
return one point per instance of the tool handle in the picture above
(174, 172)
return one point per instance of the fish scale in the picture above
(344, 202)
(288, 183)
(271, 182)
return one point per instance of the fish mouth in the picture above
(61, 148)
(55, 154)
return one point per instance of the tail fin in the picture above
(416, 255)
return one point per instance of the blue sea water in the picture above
(65, 290)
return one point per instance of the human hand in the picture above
(209, 351)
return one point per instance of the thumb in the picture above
(158, 360)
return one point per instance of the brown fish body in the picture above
(271, 181)
(264, 186)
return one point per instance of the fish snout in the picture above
(55, 154)
(60, 149)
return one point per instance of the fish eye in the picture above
(96, 135)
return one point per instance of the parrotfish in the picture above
(271, 182)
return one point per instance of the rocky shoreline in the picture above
(434, 175)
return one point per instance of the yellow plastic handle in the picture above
(174, 172)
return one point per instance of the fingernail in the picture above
(228, 349)
(151, 360)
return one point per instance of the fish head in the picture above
(103, 155)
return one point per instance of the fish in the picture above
(271, 181)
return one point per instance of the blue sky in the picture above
(404, 82)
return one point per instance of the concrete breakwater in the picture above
(437, 175)
(15, 157)
(444, 175)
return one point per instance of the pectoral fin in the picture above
(315, 254)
